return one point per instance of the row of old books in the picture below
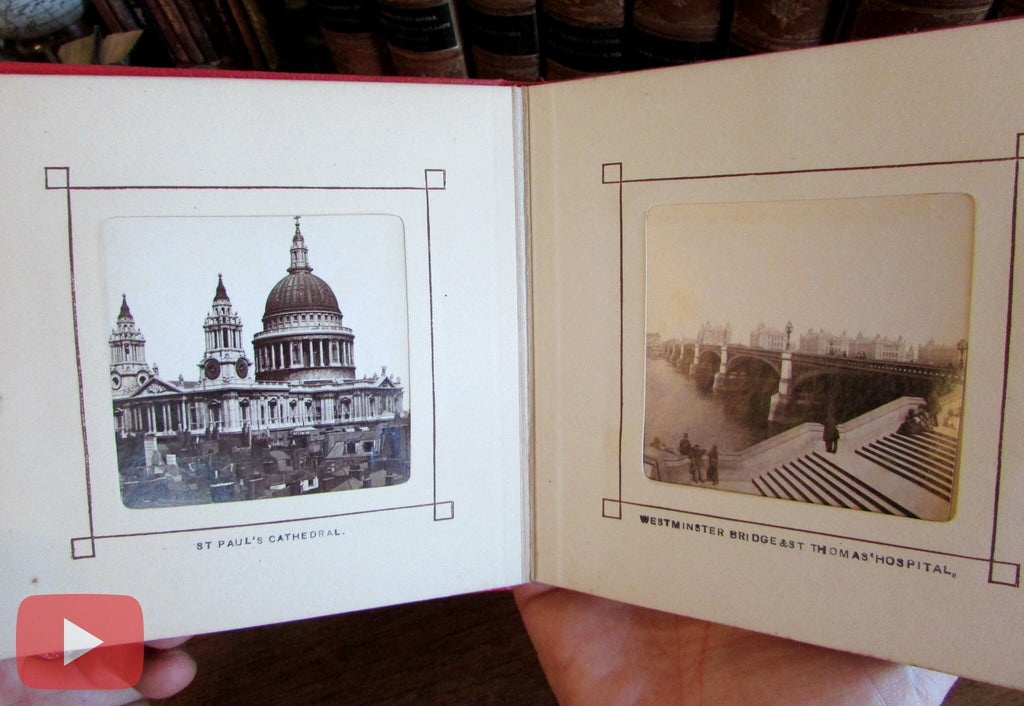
(599, 36)
(516, 40)
(230, 34)
(531, 40)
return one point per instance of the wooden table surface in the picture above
(461, 650)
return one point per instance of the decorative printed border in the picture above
(999, 572)
(59, 179)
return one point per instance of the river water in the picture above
(674, 407)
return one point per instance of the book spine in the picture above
(423, 38)
(354, 37)
(503, 38)
(295, 32)
(778, 25)
(218, 29)
(110, 19)
(153, 48)
(261, 29)
(358, 53)
(582, 38)
(667, 32)
(198, 32)
(879, 18)
(226, 34)
(157, 23)
(249, 38)
(125, 16)
(180, 30)
(1003, 9)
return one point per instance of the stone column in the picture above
(720, 376)
(695, 362)
(781, 400)
(230, 413)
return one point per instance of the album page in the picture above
(261, 345)
(775, 322)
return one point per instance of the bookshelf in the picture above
(522, 41)
(281, 53)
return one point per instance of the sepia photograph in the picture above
(256, 357)
(810, 351)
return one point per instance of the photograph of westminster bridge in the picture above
(810, 351)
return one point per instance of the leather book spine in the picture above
(154, 47)
(180, 29)
(582, 38)
(162, 23)
(668, 32)
(879, 18)
(354, 37)
(111, 21)
(227, 35)
(222, 33)
(245, 29)
(198, 31)
(125, 16)
(261, 29)
(1004, 9)
(778, 25)
(503, 39)
(423, 38)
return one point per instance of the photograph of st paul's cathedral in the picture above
(294, 419)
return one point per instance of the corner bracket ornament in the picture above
(611, 173)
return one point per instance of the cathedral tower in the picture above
(224, 359)
(128, 368)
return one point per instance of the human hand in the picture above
(597, 651)
(166, 671)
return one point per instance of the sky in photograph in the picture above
(891, 266)
(168, 267)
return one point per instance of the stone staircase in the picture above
(887, 475)
(926, 459)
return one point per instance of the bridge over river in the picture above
(782, 454)
(788, 387)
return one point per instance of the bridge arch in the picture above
(746, 387)
(846, 393)
(739, 360)
(704, 369)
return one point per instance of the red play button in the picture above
(80, 641)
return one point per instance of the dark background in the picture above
(462, 650)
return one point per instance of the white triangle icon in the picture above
(77, 642)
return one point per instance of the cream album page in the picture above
(261, 346)
(775, 329)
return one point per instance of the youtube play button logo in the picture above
(80, 641)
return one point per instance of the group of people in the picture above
(703, 462)
(917, 421)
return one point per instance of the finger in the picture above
(166, 673)
(168, 642)
(528, 591)
(12, 691)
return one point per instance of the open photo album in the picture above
(736, 340)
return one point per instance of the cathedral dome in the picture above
(300, 291)
(303, 338)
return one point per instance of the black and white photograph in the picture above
(256, 357)
(810, 351)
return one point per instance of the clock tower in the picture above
(224, 360)
(128, 368)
